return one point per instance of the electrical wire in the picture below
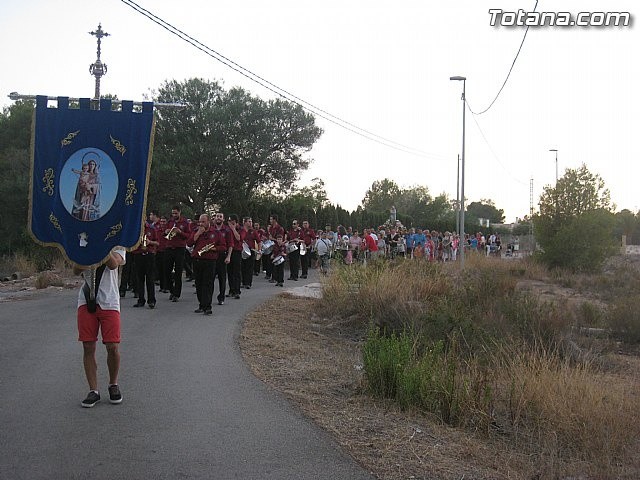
(277, 90)
(492, 151)
(510, 70)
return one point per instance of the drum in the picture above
(303, 249)
(246, 251)
(267, 247)
(291, 247)
(278, 260)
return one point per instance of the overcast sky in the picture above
(383, 67)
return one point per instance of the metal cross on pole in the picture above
(98, 69)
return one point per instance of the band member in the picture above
(234, 267)
(279, 250)
(273, 231)
(145, 257)
(161, 258)
(128, 277)
(293, 238)
(250, 237)
(205, 241)
(224, 250)
(188, 266)
(309, 238)
(177, 233)
(259, 234)
(154, 220)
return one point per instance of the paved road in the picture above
(191, 407)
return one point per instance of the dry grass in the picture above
(568, 413)
(316, 362)
(18, 263)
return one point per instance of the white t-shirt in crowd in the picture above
(322, 246)
(108, 294)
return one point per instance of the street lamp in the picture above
(555, 150)
(462, 239)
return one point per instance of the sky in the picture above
(384, 67)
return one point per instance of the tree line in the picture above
(231, 151)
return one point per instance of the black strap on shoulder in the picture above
(91, 302)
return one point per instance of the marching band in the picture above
(217, 247)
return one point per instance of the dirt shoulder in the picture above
(315, 362)
(23, 287)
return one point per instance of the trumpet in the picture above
(172, 233)
(206, 248)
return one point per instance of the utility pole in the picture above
(98, 69)
(458, 198)
(464, 107)
(531, 207)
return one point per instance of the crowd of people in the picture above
(231, 251)
(393, 241)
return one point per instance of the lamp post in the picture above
(462, 239)
(555, 150)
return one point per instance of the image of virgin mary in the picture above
(86, 201)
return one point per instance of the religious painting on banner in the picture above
(89, 177)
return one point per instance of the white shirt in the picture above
(322, 246)
(108, 294)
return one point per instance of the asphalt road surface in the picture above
(191, 407)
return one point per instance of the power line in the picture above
(508, 74)
(275, 89)
(491, 149)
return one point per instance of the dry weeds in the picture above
(316, 363)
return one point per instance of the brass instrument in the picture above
(172, 233)
(206, 248)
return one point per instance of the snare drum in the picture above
(291, 247)
(246, 251)
(267, 247)
(278, 260)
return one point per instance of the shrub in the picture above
(433, 377)
(385, 359)
(582, 243)
(624, 319)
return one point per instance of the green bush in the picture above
(624, 319)
(581, 243)
(434, 377)
(385, 359)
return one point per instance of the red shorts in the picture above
(108, 321)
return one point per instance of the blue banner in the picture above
(89, 177)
